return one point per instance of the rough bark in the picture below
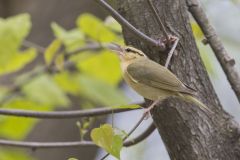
(188, 132)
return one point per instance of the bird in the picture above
(152, 80)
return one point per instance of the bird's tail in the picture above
(190, 98)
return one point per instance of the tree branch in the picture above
(90, 46)
(38, 145)
(223, 57)
(141, 137)
(63, 114)
(30, 44)
(130, 27)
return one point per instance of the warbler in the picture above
(152, 80)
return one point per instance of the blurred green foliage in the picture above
(95, 29)
(12, 32)
(6, 154)
(72, 39)
(52, 50)
(94, 80)
(205, 52)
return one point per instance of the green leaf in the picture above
(72, 159)
(3, 91)
(13, 154)
(105, 137)
(197, 32)
(112, 24)
(10, 130)
(130, 106)
(206, 57)
(18, 61)
(100, 91)
(59, 62)
(68, 82)
(51, 51)
(12, 32)
(83, 127)
(104, 66)
(24, 125)
(95, 28)
(77, 58)
(117, 145)
(72, 39)
(45, 91)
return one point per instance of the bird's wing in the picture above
(151, 73)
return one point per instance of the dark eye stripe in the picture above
(130, 50)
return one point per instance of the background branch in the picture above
(130, 27)
(141, 137)
(38, 145)
(30, 44)
(223, 57)
(63, 114)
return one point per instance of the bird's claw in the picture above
(146, 113)
(170, 41)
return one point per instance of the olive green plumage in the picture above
(152, 80)
(156, 76)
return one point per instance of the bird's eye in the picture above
(128, 50)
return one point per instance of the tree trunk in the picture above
(188, 132)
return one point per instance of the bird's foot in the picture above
(147, 111)
(170, 41)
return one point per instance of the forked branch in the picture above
(227, 63)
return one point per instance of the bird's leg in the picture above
(147, 110)
(173, 41)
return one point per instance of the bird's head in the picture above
(127, 53)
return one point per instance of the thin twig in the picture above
(90, 46)
(135, 127)
(129, 133)
(29, 44)
(14, 91)
(141, 137)
(227, 63)
(63, 114)
(130, 27)
(153, 8)
(170, 54)
(39, 145)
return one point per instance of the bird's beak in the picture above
(116, 48)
